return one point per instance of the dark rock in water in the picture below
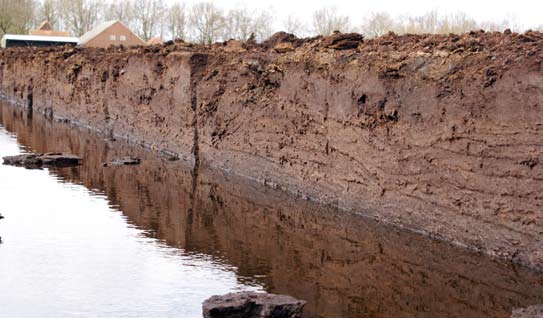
(126, 161)
(253, 305)
(1, 216)
(530, 312)
(38, 160)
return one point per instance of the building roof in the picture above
(96, 31)
(45, 29)
(45, 26)
(37, 38)
(99, 29)
(19, 37)
(49, 33)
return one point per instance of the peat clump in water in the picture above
(34, 161)
(252, 305)
(125, 161)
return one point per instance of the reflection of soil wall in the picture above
(344, 265)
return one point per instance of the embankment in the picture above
(439, 134)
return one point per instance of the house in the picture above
(44, 35)
(46, 29)
(16, 40)
(110, 33)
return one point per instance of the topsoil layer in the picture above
(438, 134)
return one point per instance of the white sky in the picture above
(528, 13)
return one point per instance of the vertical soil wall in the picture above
(438, 134)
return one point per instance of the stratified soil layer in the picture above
(439, 134)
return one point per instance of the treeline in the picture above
(205, 22)
(377, 24)
(202, 22)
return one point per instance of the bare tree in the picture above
(426, 23)
(377, 24)
(327, 20)
(49, 10)
(241, 23)
(79, 16)
(17, 16)
(262, 25)
(294, 25)
(207, 21)
(458, 22)
(27, 15)
(238, 24)
(177, 21)
(121, 10)
(429, 22)
(510, 22)
(147, 15)
(380, 23)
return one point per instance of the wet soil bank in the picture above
(342, 264)
(438, 134)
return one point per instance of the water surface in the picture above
(155, 240)
(70, 252)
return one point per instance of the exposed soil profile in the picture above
(438, 134)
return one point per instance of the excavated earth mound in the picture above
(441, 134)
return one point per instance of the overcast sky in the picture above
(528, 13)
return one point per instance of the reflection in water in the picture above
(68, 253)
(342, 264)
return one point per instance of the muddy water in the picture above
(154, 241)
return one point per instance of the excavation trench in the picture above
(154, 240)
(440, 135)
(437, 134)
